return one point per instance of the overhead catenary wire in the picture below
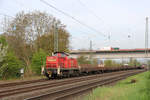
(6, 15)
(93, 13)
(68, 15)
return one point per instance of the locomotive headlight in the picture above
(51, 60)
(49, 73)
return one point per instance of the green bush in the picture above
(38, 60)
(83, 60)
(3, 40)
(148, 63)
(134, 62)
(11, 67)
(3, 49)
(110, 63)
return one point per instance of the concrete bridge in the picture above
(112, 54)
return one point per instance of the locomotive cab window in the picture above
(60, 54)
(63, 55)
(55, 54)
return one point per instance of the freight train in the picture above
(61, 65)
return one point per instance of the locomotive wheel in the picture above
(47, 75)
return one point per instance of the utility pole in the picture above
(5, 23)
(91, 51)
(109, 37)
(90, 45)
(146, 38)
(56, 38)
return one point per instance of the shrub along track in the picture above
(64, 87)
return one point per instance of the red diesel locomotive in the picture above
(60, 65)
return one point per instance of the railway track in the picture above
(63, 85)
(11, 84)
(28, 88)
(21, 83)
(81, 86)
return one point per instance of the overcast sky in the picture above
(117, 18)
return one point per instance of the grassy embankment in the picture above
(22, 79)
(124, 90)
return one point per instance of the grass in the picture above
(124, 90)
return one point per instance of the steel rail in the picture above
(81, 86)
(51, 84)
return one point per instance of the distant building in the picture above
(109, 48)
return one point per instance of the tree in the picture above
(83, 60)
(110, 63)
(47, 42)
(38, 60)
(134, 62)
(3, 40)
(94, 62)
(148, 63)
(11, 66)
(3, 48)
(30, 32)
